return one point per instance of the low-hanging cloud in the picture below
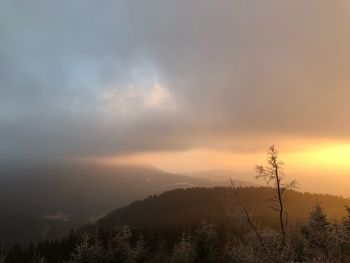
(113, 77)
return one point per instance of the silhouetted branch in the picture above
(249, 220)
(272, 173)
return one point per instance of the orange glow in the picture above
(310, 158)
(333, 158)
(322, 167)
(188, 161)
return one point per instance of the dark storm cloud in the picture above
(112, 77)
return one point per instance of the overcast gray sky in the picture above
(101, 78)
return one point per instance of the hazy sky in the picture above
(185, 84)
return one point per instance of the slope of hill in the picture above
(183, 209)
(47, 201)
(158, 221)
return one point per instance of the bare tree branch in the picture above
(249, 220)
(272, 172)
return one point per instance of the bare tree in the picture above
(248, 217)
(272, 172)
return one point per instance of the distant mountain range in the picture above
(223, 177)
(46, 201)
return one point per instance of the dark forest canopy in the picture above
(161, 226)
(187, 207)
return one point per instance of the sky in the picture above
(185, 85)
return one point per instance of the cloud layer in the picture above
(113, 77)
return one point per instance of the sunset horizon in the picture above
(174, 131)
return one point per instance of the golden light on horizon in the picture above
(318, 167)
(312, 159)
(326, 158)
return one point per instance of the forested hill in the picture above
(182, 209)
(46, 201)
(197, 222)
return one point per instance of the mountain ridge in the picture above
(182, 209)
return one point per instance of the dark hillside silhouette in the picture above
(189, 225)
(183, 209)
(46, 201)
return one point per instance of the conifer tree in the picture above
(206, 245)
(183, 251)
